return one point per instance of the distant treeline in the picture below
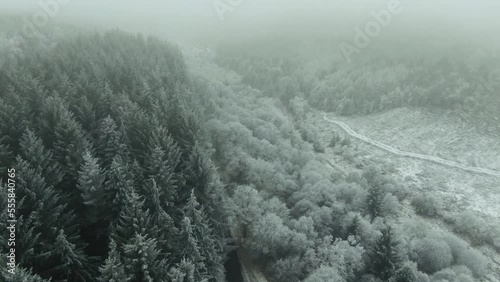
(466, 83)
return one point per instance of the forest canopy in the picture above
(113, 182)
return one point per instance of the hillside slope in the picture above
(470, 195)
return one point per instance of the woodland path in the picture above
(395, 151)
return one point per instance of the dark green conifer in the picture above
(385, 258)
(113, 269)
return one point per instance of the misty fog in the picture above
(250, 140)
(217, 20)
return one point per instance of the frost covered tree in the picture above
(432, 254)
(113, 269)
(91, 184)
(142, 259)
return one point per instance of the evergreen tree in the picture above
(160, 218)
(34, 152)
(65, 137)
(71, 259)
(384, 256)
(108, 143)
(163, 164)
(132, 219)
(12, 125)
(138, 128)
(161, 168)
(197, 177)
(96, 211)
(34, 93)
(91, 184)
(198, 245)
(118, 184)
(62, 133)
(203, 179)
(84, 113)
(190, 247)
(142, 260)
(374, 201)
(42, 213)
(21, 275)
(212, 246)
(183, 124)
(113, 269)
(183, 272)
(376, 192)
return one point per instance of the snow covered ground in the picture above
(417, 131)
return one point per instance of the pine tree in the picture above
(199, 243)
(12, 125)
(190, 246)
(132, 220)
(34, 152)
(160, 218)
(108, 143)
(41, 214)
(113, 269)
(376, 192)
(374, 201)
(96, 215)
(384, 256)
(161, 169)
(71, 259)
(210, 191)
(404, 274)
(183, 124)
(84, 112)
(202, 185)
(135, 234)
(32, 92)
(163, 165)
(64, 135)
(196, 177)
(59, 129)
(103, 99)
(161, 138)
(182, 272)
(138, 131)
(118, 184)
(91, 184)
(21, 275)
(142, 259)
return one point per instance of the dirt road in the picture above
(395, 151)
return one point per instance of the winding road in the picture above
(395, 151)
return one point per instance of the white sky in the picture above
(179, 18)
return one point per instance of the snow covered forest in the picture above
(134, 155)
